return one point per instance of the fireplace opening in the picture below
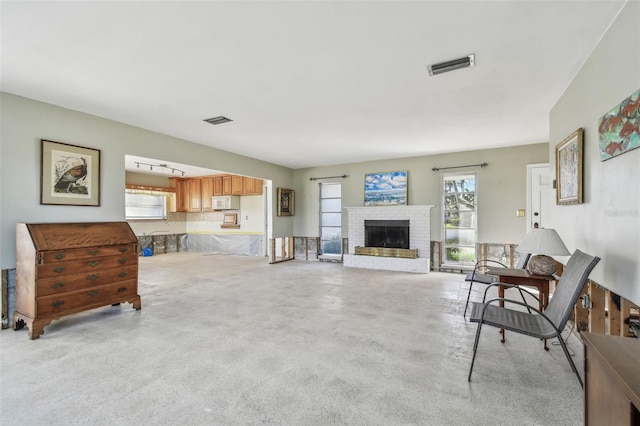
(386, 233)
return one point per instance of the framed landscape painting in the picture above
(385, 189)
(69, 174)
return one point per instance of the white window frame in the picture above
(473, 246)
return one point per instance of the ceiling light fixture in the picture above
(161, 166)
(217, 120)
(455, 64)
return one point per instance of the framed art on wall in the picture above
(569, 169)
(285, 202)
(69, 174)
(385, 189)
(619, 129)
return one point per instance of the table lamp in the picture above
(542, 243)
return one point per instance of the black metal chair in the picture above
(477, 275)
(541, 325)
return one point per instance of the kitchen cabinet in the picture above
(236, 185)
(251, 186)
(206, 190)
(66, 268)
(217, 185)
(195, 195)
(226, 185)
(182, 193)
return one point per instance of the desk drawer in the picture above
(86, 265)
(86, 253)
(92, 296)
(67, 283)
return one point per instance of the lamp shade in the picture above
(543, 243)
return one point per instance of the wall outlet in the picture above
(520, 213)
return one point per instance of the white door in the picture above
(540, 194)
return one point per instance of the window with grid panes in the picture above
(460, 219)
(331, 218)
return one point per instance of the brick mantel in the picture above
(419, 218)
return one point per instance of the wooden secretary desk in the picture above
(612, 380)
(66, 268)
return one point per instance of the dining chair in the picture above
(478, 275)
(541, 325)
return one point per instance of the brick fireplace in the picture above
(419, 218)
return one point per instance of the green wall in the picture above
(501, 188)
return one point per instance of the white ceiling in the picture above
(307, 83)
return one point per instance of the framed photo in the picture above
(569, 169)
(385, 189)
(69, 174)
(285, 202)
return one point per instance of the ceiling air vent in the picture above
(456, 64)
(218, 120)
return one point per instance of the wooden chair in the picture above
(538, 324)
(477, 275)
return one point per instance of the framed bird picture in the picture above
(69, 174)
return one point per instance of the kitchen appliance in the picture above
(226, 202)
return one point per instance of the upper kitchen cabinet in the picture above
(206, 188)
(251, 186)
(182, 193)
(236, 185)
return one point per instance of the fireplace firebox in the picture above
(386, 233)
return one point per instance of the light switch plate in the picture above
(520, 213)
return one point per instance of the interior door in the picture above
(539, 194)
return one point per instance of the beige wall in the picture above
(25, 122)
(607, 224)
(501, 188)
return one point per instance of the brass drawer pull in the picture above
(121, 289)
(58, 303)
(92, 292)
(123, 249)
(93, 277)
(93, 252)
(58, 285)
(122, 261)
(93, 263)
(59, 269)
(122, 274)
(60, 256)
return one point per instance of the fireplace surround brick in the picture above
(419, 218)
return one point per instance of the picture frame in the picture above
(69, 174)
(569, 169)
(285, 202)
(385, 189)
(618, 128)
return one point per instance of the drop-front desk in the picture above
(612, 380)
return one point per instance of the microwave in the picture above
(226, 202)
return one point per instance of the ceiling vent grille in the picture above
(456, 64)
(217, 120)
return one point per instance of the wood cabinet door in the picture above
(236, 185)
(251, 186)
(248, 185)
(182, 195)
(195, 195)
(226, 185)
(207, 193)
(217, 185)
